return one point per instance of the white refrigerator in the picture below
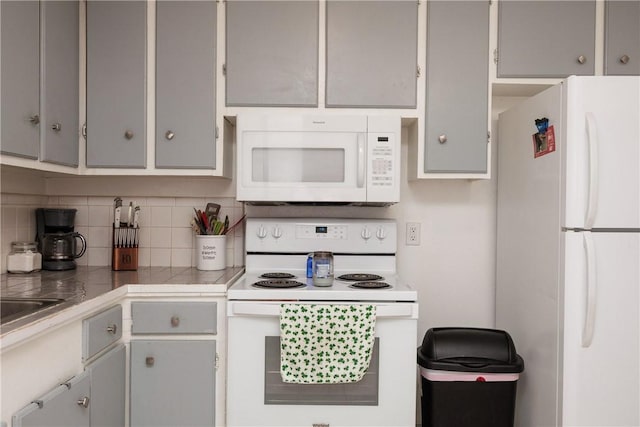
(568, 251)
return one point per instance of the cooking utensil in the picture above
(236, 224)
(117, 211)
(212, 210)
(226, 224)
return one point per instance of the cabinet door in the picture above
(185, 84)
(65, 406)
(20, 78)
(60, 131)
(622, 38)
(172, 383)
(108, 389)
(372, 53)
(546, 38)
(272, 53)
(116, 82)
(457, 83)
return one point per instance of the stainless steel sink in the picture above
(15, 308)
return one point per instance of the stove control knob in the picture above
(262, 232)
(381, 234)
(276, 232)
(365, 234)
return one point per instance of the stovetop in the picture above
(282, 245)
(341, 290)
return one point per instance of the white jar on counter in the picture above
(24, 258)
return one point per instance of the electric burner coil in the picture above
(370, 285)
(278, 284)
(277, 275)
(360, 277)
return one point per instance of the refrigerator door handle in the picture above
(592, 140)
(590, 313)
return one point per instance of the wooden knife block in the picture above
(124, 257)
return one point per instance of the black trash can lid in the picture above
(469, 350)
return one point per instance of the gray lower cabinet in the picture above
(116, 83)
(546, 38)
(20, 77)
(185, 84)
(172, 383)
(101, 331)
(65, 406)
(456, 122)
(372, 53)
(272, 53)
(622, 38)
(59, 130)
(108, 388)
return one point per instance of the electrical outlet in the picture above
(413, 234)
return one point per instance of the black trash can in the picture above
(469, 377)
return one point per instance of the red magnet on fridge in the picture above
(544, 141)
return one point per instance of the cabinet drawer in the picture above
(174, 317)
(100, 331)
(62, 406)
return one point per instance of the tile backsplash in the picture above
(166, 238)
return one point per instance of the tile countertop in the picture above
(88, 288)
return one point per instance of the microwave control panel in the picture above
(381, 160)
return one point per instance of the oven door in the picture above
(256, 396)
(302, 166)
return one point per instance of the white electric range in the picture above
(276, 255)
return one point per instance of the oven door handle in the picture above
(382, 311)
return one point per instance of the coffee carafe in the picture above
(59, 244)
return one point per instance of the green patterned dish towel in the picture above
(324, 344)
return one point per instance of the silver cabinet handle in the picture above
(582, 59)
(442, 138)
(169, 135)
(175, 321)
(150, 361)
(112, 329)
(84, 402)
(128, 134)
(56, 127)
(35, 119)
(624, 59)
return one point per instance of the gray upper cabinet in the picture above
(59, 120)
(546, 38)
(372, 53)
(622, 38)
(20, 76)
(185, 84)
(116, 83)
(272, 53)
(457, 80)
(66, 405)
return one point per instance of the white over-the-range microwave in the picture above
(318, 159)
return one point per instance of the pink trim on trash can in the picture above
(438, 375)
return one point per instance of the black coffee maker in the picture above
(57, 240)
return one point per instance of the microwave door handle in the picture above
(361, 160)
